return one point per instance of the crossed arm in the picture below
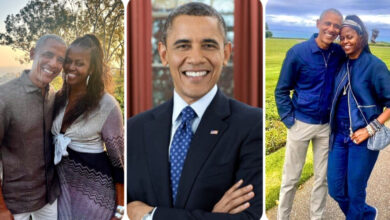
(234, 201)
(234, 204)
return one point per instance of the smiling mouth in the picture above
(195, 73)
(71, 75)
(329, 35)
(47, 71)
(347, 47)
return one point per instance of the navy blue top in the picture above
(309, 72)
(342, 115)
(342, 108)
(342, 111)
(369, 93)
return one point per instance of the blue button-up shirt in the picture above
(309, 72)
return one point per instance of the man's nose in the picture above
(333, 28)
(196, 56)
(54, 62)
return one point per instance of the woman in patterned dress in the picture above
(88, 136)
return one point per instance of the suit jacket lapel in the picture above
(202, 144)
(157, 135)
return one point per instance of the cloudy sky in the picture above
(297, 18)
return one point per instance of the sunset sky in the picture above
(8, 57)
(8, 62)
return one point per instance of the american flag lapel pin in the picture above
(214, 132)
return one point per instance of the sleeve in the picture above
(286, 83)
(381, 84)
(3, 121)
(249, 169)
(112, 133)
(149, 216)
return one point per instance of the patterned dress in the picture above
(91, 162)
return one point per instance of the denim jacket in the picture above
(309, 73)
(368, 94)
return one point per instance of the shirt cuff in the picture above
(289, 121)
(149, 216)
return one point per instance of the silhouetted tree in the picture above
(68, 19)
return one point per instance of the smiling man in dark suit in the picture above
(199, 155)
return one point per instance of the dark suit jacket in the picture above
(213, 163)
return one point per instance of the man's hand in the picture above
(136, 210)
(5, 214)
(235, 200)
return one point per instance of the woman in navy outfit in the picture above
(361, 92)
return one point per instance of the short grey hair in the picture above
(42, 41)
(331, 10)
(193, 9)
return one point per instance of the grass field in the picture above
(275, 130)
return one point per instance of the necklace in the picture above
(349, 83)
(326, 59)
(345, 89)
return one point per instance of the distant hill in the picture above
(4, 77)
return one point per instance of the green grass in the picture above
(383, 53)
(276, 132)
(274, 166)
(275, 52)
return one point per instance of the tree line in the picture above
(69, 19)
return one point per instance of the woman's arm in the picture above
(362, 134)
(380, 81)
(112, 134)
(4, 212)
(119, 187)
(382, 118)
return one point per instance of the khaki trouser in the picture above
(47, 212)
(298, 138)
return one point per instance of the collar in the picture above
(358, 60)
(199, 106)
(315, 48)
(28, 85)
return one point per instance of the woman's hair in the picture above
(99, 81)
(359, 28)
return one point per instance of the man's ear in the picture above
(162, 51)
(318, 23)
(32, 53)
(227, 51)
